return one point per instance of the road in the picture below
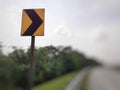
(75, 83)
(104, 79)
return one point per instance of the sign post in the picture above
(32, 25)
(31, 64)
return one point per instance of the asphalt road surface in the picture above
(104, 79)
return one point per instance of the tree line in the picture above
(50, 62)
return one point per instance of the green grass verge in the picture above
(56, 84)
(84, 83)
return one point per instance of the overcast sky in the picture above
(90, 26)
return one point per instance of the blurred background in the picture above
(79, 34)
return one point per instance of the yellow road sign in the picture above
(32, 22)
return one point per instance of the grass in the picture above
(6, 87)
(85, 80)
(56, 84)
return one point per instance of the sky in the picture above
(89, 26)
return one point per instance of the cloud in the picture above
(63, 31)
(91, 26)
(106, 41)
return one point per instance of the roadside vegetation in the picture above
(50, 62)
(85, 80)
(57, 83)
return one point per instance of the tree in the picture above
(20, 71)
(1, 46)
(50, 62)
(19, 56)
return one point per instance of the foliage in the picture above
(50, 62)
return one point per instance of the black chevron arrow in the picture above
(36, 22)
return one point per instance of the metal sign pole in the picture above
(31, 67)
